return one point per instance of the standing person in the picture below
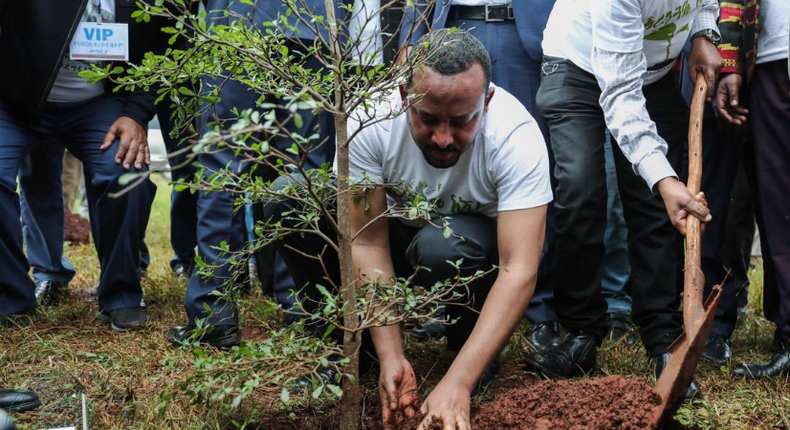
(43, 101)
(607, 66)
(755, 51)
(466, 140)
(217, 221)
(512, 32)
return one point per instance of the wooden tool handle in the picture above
(694, 280)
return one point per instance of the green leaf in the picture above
(335, 390)
(127, 178)
(317, 392)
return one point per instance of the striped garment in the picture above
(739, 23)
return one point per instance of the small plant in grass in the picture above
(270, 61)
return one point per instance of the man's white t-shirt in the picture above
(660, 28)
(506, 168)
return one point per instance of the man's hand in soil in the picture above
(398, 391)
(132, 143)
(727, 102)
(705, 59)
(450, 403)
(681, 203)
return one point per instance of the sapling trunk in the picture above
(350, 403)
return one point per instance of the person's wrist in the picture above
(665, 184)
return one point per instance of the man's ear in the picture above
(489, 96)
(404, 94)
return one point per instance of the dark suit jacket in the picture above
(34, 37)
(531, 17)
(269, 10)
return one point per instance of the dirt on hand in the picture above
(76, 229)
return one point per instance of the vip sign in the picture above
(100, 42)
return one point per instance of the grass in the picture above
(130, 378)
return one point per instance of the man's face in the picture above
(449, 114)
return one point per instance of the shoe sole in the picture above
(226, 342)
(24, 407)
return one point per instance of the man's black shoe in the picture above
(304, 384)
(49, 293)
(717, 350)
(223, 336)
(779, 364)
(433, 328)
(543, 336)
(659, 362)
(16, 320)
(574, 356)
(126, 319)
(621, 327)
(18, 400)
(490, 375)
(6, 423)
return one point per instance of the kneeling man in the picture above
(477, 153)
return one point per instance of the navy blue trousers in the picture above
(42, 224)
(117, 224)
(183, 204)
(217, 221)
(515, 71)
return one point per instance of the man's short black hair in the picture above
(450, 52)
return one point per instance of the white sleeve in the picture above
(521, 170)
(624, 108)
(364, 153)
(706, 17)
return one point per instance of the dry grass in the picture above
(129, 378)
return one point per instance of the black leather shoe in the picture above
(779, 364)
(124, 319)
(17, 320)
(544, 335)
(18, 400)
(717, 350)
(304, 384)
(223, 336)
(6, 423)
(621, 328)
(49, 293)
(433, 328)
(574, 356)
(659, 363)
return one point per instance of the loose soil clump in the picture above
(610, 403)
(76, 229)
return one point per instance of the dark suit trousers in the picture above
(568, 98)
(770, 111)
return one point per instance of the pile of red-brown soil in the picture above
(610, 403)
(76, 229)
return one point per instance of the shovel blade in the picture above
(674, 381)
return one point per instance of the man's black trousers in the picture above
(474, 241)
(569, 99)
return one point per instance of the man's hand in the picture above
(705, 59)
(727, 104)
(132, 143)
(450, 403)
(398, 391)
(680, 203)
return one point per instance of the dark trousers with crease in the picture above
(770, 112)
(411, 248)
(568, 99)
